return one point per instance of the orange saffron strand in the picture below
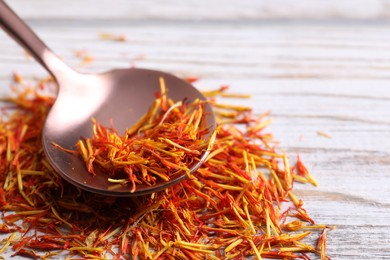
(239, 204)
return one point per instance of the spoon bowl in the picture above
(120, 96)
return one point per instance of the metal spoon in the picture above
(122, 95)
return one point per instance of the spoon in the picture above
(120, 95)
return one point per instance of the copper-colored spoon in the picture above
(122, 95)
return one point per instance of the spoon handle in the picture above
(21, 32)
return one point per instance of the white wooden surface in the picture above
(316, 65)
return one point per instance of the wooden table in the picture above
(318, 66)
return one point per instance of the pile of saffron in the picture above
(240, 203)
(165, 142)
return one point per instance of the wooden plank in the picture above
(196, 9)
(234, 51)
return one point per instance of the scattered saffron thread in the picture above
(240, 203)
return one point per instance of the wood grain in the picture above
(212, 10)
(331, 76)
